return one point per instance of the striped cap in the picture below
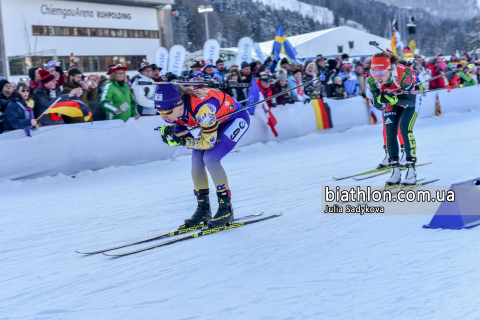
(45, 76)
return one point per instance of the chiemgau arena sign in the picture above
(51, 10)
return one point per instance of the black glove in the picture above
(307, 100)
(289, 100)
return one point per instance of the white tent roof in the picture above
(325, 42)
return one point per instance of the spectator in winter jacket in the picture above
(434, 67)
(219, 70)
(246, 73)
(197, 66)
(89, 92)
(98, 114)
(338, 91)
(117, 97)
(264, 86)
(279, 86)
(156, 73)
(56, 70)
(45, 95)
(240, 94)
(34, 78)
(144, 95)
(19, 112)
(5, 88)
(197, 76)
(208, 70)
(294, 80)
(313, 90)
(361, 79)
(350, 81)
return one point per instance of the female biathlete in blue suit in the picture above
(189, 108)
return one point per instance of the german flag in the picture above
(71, 108)
(322, 114)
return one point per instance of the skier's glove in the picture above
(169, 137)
(387, 98)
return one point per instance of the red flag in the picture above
(272, 122)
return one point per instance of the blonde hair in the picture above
(189, 90)
(113, 76)
(311, 64)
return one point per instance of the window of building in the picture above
(85, 63)
(92, 32)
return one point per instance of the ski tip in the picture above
(110, 255)
(85, 253)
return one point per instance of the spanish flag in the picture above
(71, 108)
(282, 45)
(322, 114)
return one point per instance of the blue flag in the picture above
(254, 95)
(282, 45)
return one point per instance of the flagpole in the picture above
(48, 108)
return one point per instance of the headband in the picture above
(380, 63)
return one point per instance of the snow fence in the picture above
(68, 149)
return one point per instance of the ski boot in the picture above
(203, 212)
(403, 158)
(384, 163)
(411, 175)
(396, 175)
(224, 213)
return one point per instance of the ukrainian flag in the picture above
(282, 45)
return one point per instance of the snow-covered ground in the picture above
(302, 265)
(319, 14)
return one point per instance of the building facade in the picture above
(91, 35)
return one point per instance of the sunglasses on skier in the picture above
(378, 73)
(170, 111)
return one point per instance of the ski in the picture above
(376, 170)
(391, 187)
(375, 175)
(196, 235)
(180, 230)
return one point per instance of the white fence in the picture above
(71, 148)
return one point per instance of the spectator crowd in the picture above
(116, 96)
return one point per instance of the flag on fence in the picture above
(373, 118)
(438, 108)
(322, 114)
(255, 95)
(71, 108)
(282, 45)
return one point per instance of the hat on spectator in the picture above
(51, 64)
(171, 76)
(319, 57)
(336, 79)
(281, 74)
(284, 61)
(264, 76)
(245, 64)
(358, 64)
(114, 68)
(197, 73)
(45, 76)
(218, 61)
(208, 63)
(345, 65)
(332, 63)
(145, 64)
(167, 96)
(196, 64)
(297, 70)
(463, 61)
(3, 82)
(154, 67)
(345, 56)
(31, 72)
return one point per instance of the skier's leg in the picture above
(199, 173)
(228, 136)
(203, 213)
(392, 119)
(408, 121)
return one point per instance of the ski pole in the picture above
(376, 44)
(322, 77)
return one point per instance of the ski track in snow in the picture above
(302, 265)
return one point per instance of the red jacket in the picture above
(437, 83)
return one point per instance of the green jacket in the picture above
(114, 96)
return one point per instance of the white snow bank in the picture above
(317, 13)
